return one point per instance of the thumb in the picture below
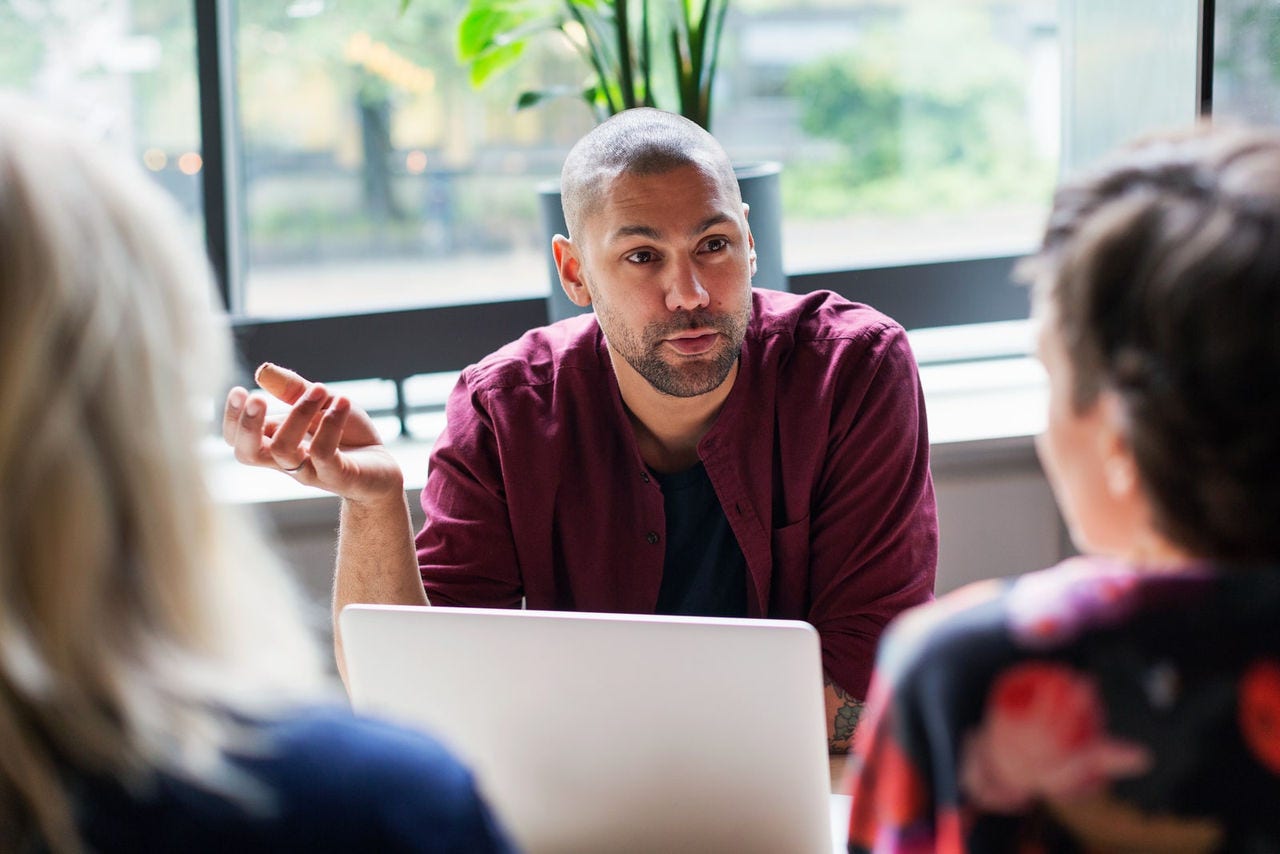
(281, 383)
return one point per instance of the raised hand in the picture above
(323, 440)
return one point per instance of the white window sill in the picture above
(984, 394)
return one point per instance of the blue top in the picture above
(340, 783)
(704, 572)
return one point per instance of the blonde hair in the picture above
(139, 618)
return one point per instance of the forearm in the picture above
(843, 711)
(376, 561)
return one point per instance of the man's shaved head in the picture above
(642, 141)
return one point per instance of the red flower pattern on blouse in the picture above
(1043, 736)
(1259, 704)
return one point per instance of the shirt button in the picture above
(644, 475)
(652, 537)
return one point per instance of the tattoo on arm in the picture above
(846, 718)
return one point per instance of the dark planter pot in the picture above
(761, 189)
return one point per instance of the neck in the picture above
(1152, 551)
(1162, 561)
(668, 429)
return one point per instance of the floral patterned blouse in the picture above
(1093, 706)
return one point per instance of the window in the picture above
(909, 130)
(383, 212)
(376, 177)
(123, 69)
(1246, 64)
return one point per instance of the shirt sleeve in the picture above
(466, 551)
(873, 529)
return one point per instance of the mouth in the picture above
(694, 343)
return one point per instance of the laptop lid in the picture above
(591, 732)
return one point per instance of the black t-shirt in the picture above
(704, 572)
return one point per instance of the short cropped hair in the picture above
(1162, 271)
(641, 141)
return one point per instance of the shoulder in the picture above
(819, 316)
(362, 753)
(401, 784)
(953, 632)
(1042, 612)
(317, 779)
(351, 744)
(824, 339)
(541, 356)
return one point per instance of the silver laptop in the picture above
(610, 732)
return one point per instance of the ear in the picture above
(1119, 468)
(751, 240)
(569, 266)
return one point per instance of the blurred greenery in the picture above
(1247, 31)
(21, 54)
(928, 112)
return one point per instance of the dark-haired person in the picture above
(1128, 699)
(159, 688)
(693, 447)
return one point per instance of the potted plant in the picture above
(615, 39)
(639, 54)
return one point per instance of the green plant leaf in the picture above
(494, 60)
(534, 97)
(482, 27)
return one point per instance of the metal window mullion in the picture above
(1205, 95)
(215, 65)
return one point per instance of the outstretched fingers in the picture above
(244, 425)
(321, 441)
(288, 445)
(232, 412)
(328, 435)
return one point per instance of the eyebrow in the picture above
(652, 233)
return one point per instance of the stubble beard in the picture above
(670, 373)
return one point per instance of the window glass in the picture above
(1246, 62)
(377, 176)
(1129, 69)
(123, 69)
(909, 130)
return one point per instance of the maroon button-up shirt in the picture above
(820, 459)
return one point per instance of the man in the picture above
(693, 447)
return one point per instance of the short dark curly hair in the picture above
(1162, 273)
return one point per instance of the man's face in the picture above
(667, 259)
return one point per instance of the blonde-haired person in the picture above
(158, 687)
(1128, 699)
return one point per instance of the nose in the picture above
(684, 290)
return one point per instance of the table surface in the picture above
(839, 778)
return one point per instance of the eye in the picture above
(715, 244)
(642, 256)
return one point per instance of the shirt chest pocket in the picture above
(790, 548)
